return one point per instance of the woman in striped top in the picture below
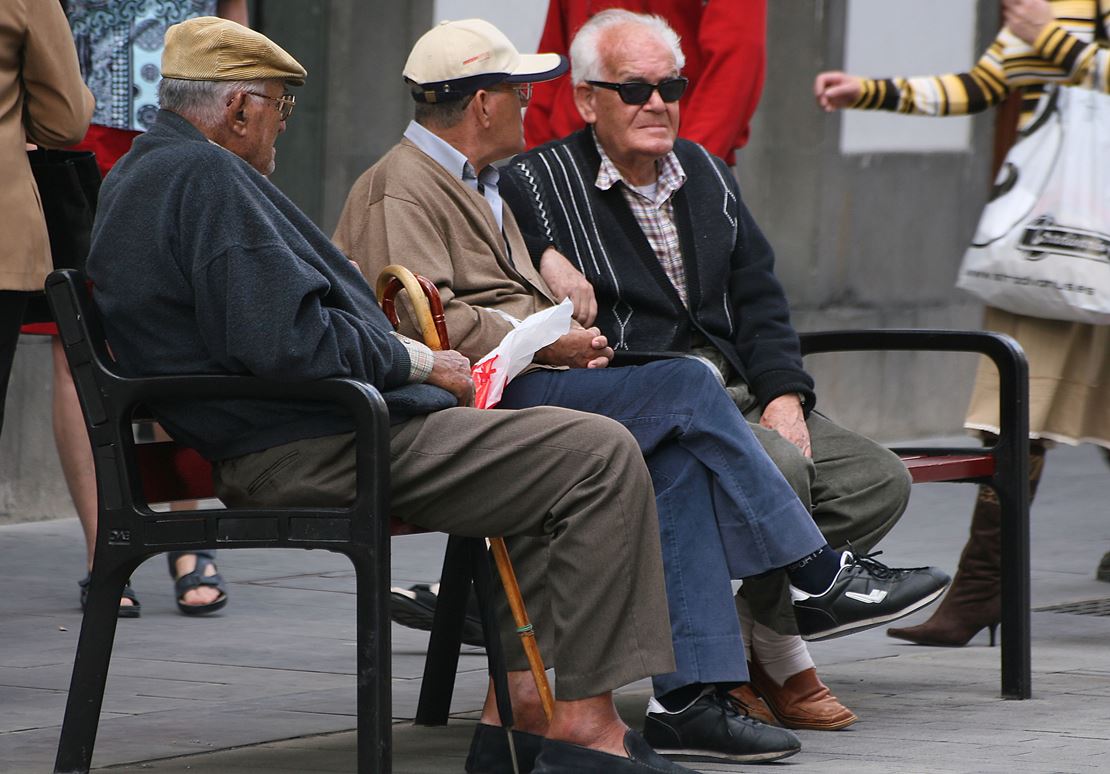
(1044, 42)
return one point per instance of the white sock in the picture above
(781, 655)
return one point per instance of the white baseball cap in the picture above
(457, 58)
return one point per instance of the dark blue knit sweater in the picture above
(201, 265)
(735, 300)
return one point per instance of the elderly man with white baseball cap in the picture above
(469, 84)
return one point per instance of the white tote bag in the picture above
(1042, 247)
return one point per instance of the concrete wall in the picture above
(870, 240)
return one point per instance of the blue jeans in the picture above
(725, 511)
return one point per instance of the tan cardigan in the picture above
(43, 101)
(407, 209)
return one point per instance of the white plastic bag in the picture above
(516, 351)
(1042, 247)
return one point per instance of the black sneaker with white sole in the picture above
(713, 728)
(865, 593)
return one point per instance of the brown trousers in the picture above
(577, 478)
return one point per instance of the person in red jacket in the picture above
(724, 43)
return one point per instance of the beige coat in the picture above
(43, 101)
(1069, 379)
(407, 209)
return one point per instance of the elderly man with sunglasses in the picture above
(433, 203)
(655, 230)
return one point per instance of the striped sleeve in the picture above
(1082, 64)
(940, 95)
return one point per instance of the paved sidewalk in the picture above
(268, 684)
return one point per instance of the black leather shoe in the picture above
(865, 593)
(712, 728)
(489, 751)
(565, 758)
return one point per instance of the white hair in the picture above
(585, 49)
(203, 102)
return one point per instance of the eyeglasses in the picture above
(523, 92)
(284, 103)
(637, 93)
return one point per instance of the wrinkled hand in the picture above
(835, 90)
(1027, 18)
(581, 348)
(784, 415)
(451, 371)
(566, 281)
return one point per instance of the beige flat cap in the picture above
(210, 49)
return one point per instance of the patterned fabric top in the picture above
(119, 46)
(421, 359)
(1068, 52)
(655, 215)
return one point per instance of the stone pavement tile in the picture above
(416, 751)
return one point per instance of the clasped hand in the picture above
(580, 348)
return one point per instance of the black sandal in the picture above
(196, 579)
(134, 610)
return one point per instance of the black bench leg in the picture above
(1017, 679)
(374, 697)
(90, 668)
(442, 661)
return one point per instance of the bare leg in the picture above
(74, 452)
(186, 563)
(528, 714)
(591, 722)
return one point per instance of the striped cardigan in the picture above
(735, 300)
(1067, 52)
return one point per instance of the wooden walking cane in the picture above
(428, 310)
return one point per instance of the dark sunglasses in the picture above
(637, 93)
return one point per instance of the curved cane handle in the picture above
(424, 297)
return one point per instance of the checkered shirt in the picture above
(656, 217)
(421, 358)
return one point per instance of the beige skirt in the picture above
(1069, 379)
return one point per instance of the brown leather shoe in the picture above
(752, 704)
(803, 701)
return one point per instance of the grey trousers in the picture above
(855, 488)
(577, 478)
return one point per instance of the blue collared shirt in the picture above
(444, 154)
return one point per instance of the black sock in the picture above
(815, 573)
(680, 698)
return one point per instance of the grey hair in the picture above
(585, 49)
(441, 115)
(203, 102)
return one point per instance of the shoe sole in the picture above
(795, 724)
(410, 613)
(714, 755)
(870, 623)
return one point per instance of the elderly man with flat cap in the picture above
(432, 203)
(201, 265)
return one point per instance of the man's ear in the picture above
(482, 110)
(235, 114)
(584, 96)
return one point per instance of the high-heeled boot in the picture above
(975, 599)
